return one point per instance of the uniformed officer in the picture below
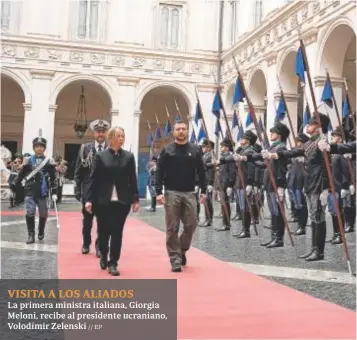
(82, 175)
(208, 159)
(227, 178)
(316, 184)
(38, 174)
(245, 187)
(296, 182)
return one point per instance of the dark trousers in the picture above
(225, 202)
(111, 219)
(87, 228)
(59, 194)
(209, 207)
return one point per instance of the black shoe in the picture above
(349, 228)
(300, 231)
(276, 243)
(315, 256)
(97, 252)
(234, 218)
(113, 270)
(103, 263)
(176, 267)
(267, 243)
(223, 228)
(31, 238)
(183, 259)
(85, 250)
(206, 223)
(336, 239)
(243, 234)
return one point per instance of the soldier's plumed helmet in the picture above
(337, 132)
(301, 137)
(325, 121)
(39, 141)
(250, 136)
(207, 142)
(281, 129)
(99, 124)
(228, 143)
(154, 159)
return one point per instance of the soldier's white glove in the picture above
(324, 145)
(323, 197)
(210, 188)
(54, 198)
(239, 158)
(281, 194)
(352, 189)
(196, 189)
(265, 154)
(344, 193)
(229, 192)
(248, 189)
(348, 156)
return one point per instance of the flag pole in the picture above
(326, 160)
(349, 104)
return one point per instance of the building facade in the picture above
(142, 62)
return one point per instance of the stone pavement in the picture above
(328, 279)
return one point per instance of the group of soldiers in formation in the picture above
(300, 172)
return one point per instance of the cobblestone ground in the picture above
(328, 279)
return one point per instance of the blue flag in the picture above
(300, 66)
(167, 129)
(157, 133)
(193, 137)
(201, 134)
(327, 94)
(281, 110)
(217, 105)
(234, 120)
(238, 92)
(149, 139)
(249, 119)
(345, 108)
(217, 128)
(240, 132)
(177, 119)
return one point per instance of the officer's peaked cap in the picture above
(39, 141)
(281, 129)
(99, 124)
(250, 136)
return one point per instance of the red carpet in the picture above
(215, 299)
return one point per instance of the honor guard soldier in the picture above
(227, 178)
(38, 175)
(316, 183)
(82, 176)
(296, 181)
(246, 188)
(151, 183)
(279, 133)
(208, 160)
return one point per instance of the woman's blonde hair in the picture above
(112, 133)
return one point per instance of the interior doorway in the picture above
(70, 155)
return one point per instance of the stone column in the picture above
(126, 117)
(39, 115)
(337, 86)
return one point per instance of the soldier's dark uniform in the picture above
(37, 188)
(82, 178)
(341, 181)
(151, 184)
(316, 185)
(259, 168)
(245, 187)
(208, 160)
(238, 215)
(227, 178)
(296, 182)
(279, 169)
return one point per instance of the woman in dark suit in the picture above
(112, 191)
